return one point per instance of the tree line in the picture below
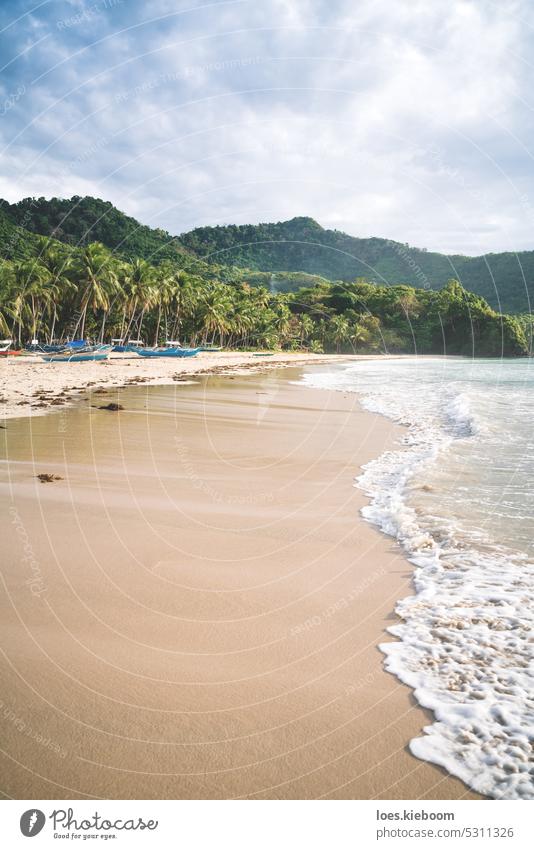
(91, 292)
(288, 249)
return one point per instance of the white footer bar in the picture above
(268, 824)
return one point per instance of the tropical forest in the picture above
(80, 268)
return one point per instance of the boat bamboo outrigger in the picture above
(91, 353)
(120, 346)
(168, 352)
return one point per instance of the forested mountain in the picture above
(15, 242)
(286, 251)
(137, 282)
(81, 220)
(505, 280)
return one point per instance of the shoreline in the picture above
(234, 652)
(31, 387)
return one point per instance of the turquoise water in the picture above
(458, 495)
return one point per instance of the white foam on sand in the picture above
(464, 639)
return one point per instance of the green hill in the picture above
(15, 242)
(284, 256)
(505, 280)
(94, 271)
(81, 220)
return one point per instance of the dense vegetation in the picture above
(81, 221)
(505, 280)
(15, 241)
(277, 255)
(92, 292)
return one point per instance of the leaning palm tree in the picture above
(282, 322)
(306, 328)
(6, 297)
(243, 320)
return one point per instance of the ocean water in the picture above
(458, 495)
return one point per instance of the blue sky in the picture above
(397, 118)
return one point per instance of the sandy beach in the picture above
(193, 608)
(29, 386)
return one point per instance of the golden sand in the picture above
(194, 610)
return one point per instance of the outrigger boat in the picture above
(122, 347)
(5, 349)
(57, 347)
(167, 352)
(90, 353)
(169, 344)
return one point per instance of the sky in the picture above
(395, 118)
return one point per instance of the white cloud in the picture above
(393, 119)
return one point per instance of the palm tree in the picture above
(57, 265)
(186, 302)
(282, 317)
(366, 332)
(6, 296)
(32, 295)
(339, 331)
(166, 294)
(215, 313)
(97, 279)
(139, 293)
(306, 327)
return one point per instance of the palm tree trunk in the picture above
(82, 323)
(175, 326)
(102, 326)
(123, 323)
(132, 316)
(141, 317)
(157, 325)
(53, 326)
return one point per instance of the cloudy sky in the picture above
(407, 119)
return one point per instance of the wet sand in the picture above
(194, 609)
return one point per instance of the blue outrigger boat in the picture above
(59, 347)
(91, 353)
(122, 347)
(167, 352)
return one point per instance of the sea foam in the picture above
(464, 640)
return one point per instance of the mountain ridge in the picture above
(81, 266)
(505, 280)
(282, 250)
